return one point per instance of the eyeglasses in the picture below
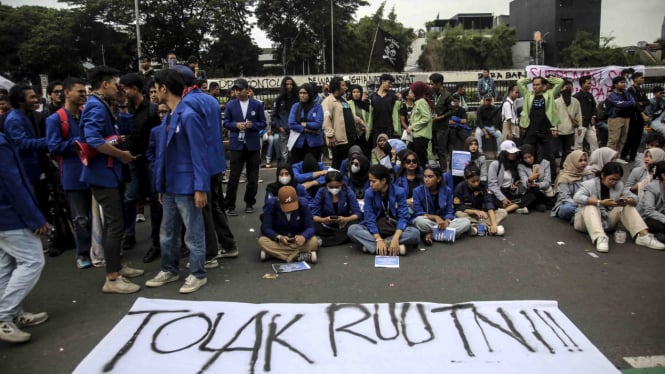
(410, 161)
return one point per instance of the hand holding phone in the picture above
(334, 218)
(291, 239)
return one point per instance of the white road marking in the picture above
(643, 362)
(592, 254)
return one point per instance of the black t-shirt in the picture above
(349, 122)
(604, 192)
(405, 111)
(412, 185)
(435, 200)
(382, 114)
(538, 116)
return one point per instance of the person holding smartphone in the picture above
(287, 228)
(604, 202)
(333, 208)
(504, 182)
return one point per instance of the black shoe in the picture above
(54, 251)
(541, 208)
(129, 242)
(231, 212)
(249, 209)
(152, 254)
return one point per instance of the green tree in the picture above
(585, 51)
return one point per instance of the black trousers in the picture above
(340, 152)
(251, 159)
(440, 143)
(110, 200)
(298, 154)
(542, 140)
(420, 147)
(655, 226)
(214, 218)
(635, 130)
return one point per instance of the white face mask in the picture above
(284, 180)
(334, 191)
(355, 168)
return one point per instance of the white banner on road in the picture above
(601, 78)
(174, 336)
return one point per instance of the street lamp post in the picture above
(332, 39)
(138, 33)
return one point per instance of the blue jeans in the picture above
(480, 136)
(21, 264)
(179, 209)
(566, 211)
(80, 208)
(274, 146)
(360, 235)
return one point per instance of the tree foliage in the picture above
(459, 49)
(585, 51)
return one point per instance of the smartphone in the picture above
(621, 201)
(291, 240)
(334, 218)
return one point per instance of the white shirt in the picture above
(243, 106)
(508, 111)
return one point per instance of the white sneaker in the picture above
(524, 210)
(192, 284)
(162, 278)
(129, 272)
(140, 217)
(263, 256)
(26, 319)
(12, 334)
(500, 230)
(650, 241)
(402, 250)
(120, 285)
(602, 244)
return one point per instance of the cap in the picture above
(509, 146)
(187, 74)
(192, 60)
(288, 199)
(488, 97)
(240, 83)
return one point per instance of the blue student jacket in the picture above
(97, 123)
(18, 206)
(208, 107)
(70, 164)
(314, 119)
(322, 204)
(255, 114)
(20, 130)
(275, 223)
(302, 177)
(396, 204)
(156, 144)
(423, 202)
(181, 166)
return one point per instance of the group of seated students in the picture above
(389, 210)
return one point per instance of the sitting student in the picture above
(641, 176)
(652, 204)
(356, 173)
(284, 178)
(568, 181)
(603, 202)
(477, 157)
(433, 206)
(310, 173)
(409, 175)
(458, 125)
(653, 139)
(504, 182)
(384, 229)
(288, 228)
(471, 200)
(382, 152)
(333, 208)
(600, 157)
(536, 177)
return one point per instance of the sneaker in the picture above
(365, 250)
(402, 250)
(314, 257)
(99, 263)
(249, 209)
(473, 231)
(129, 242)
(83, 262)
(260, 180)
(304, 256)
(231, 212)
(225, 179)
(26, 319)
(162, 278)
(192, 284)
(211, 264)
(140, 217)
(230, 253)
(621, 161)
(524, 210)
(263, 255)
(128, 272)
(152, 254)
(602, 244)
(499, 230)
(120, 285)
(650, 241)
(12, 334)
(242, 180)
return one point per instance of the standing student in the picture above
(338, 122)
(306, 119)
(420, 125)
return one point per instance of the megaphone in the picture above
(86, 153)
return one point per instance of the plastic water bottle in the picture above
(241, 136)
(482, 229)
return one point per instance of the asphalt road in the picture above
(616, 299)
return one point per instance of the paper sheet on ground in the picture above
(178, 336)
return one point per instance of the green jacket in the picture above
(549, 95)
(364, 115)
(421, 120)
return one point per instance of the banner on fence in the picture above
(176, 336)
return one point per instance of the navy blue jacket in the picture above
(70, 164)
(181, 166)
(466, 198)
(156, 144)
(275, 223)
(208, 107)
(403, 182)
(18, 206)
(423, 202)
(396, 203)
(314, 119)
(97, 124)
(617, 107)
(255, 114)
(322, 204)
(302, 177)
(20, 130)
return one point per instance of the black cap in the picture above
(192, 60)
(240, 83)
(145, 58)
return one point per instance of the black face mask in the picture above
(566, 94)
